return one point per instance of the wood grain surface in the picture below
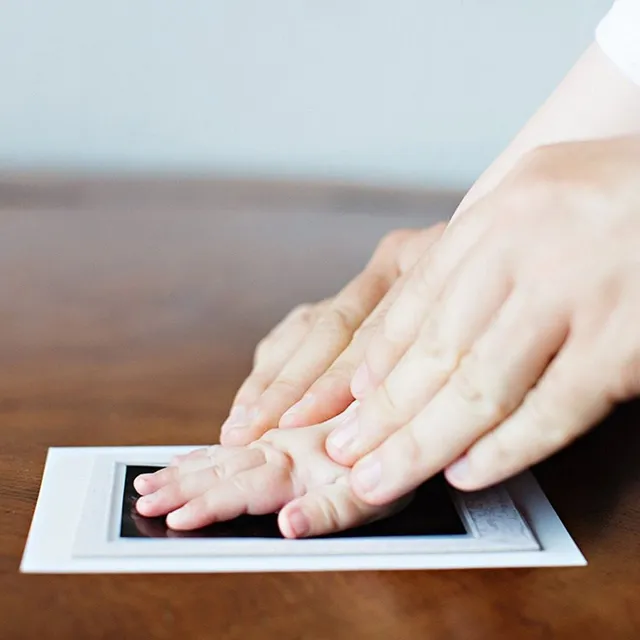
(129, 311)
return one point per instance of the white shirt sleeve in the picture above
(618, 35)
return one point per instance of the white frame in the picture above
(509, 525)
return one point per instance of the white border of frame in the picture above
(510, 525)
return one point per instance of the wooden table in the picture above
(128, 316)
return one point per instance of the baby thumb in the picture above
(326, 510)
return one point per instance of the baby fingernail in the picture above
(459, 470)
(140, 483)
(360, 381)
(238, 417)
(288, 418)
(146, 501)
(344, 435)
(299, 523)
(367, 474)
(177, 518)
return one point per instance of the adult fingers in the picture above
(273, 352)
(565, 403)
(416, 246)
(489, 383)
(270, 357)
(330, 393)
(330, 335)
(427, 280)
(460, 316)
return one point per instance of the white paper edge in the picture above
(49, 544)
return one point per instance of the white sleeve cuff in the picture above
(618, 35)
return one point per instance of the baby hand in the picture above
(286, 470)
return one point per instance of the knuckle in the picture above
(273, 455)
(465, 382)
(536, 164)
(304, 313)
(436, 230)
(535, 158)
(465, 387)
(402, 322)
(536, 179)
(337, 320)
(437, 362)
(240, 484)
(385, 403)
(423, 282)
(332, 518)
(376, 285)
(393, 240)
(216, 472)
(284, 387)
(424, 274)
(279, 459)
(213, 450)
(340, 373)
(409, 450)
(258, 380)
(418, 246)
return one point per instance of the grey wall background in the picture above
(400, 91)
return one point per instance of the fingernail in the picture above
(360, 381)
(178, 517)
(345, 416)
(344, 435)
(299, 523)
(145, 501)
(139, 483)
(288, 417)
(238, 418)
(459, 470)
(367, 474)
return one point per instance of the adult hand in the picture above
(309, 358)
(513, 336)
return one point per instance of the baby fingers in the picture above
(172, 487)
(257, 491)
(326, 510)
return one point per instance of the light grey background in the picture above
(406, 91)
